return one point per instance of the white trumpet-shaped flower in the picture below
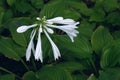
(30, 46)
(45, 26)
(38, 52)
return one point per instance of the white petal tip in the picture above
(27, 59)
(38, 18)
(21, 29)
(39, 60)
(77, 23)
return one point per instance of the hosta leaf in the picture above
(2, 2)
(79, 77)
(110, 74)
(108, 6)
(94, 15)
(116, 34)
(29, 76)
(80, 48)
(71, 66)
(52, 9)
(53, 73)
(47, 51)
(9, 48)
(7, 15)
(26, 7)
(2, 12)
(101, 39)
(11, 2)
(37, 3)
(19, 38)
(113, 18)
(71, 14)
(80, 6)
(111, 56)
(86, 29)
(7, 77)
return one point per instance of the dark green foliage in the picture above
(7, 77)
(29, 76)
(94, 54)
(57, 73)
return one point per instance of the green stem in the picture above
(92, 63)
(25, 64)
(5, 70)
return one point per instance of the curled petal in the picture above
(38, 52)
(30, 46)
(54, 47)
(22, 29)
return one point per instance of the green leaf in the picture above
(79, 77)
(47, 51)
(71, 66)
(2, 12)
(2, 2)
(26, 7)
(113, 18)
(80, 6)
(7, 15)
(116, 34)
(108, 59)
(110, 74)
(37, 3)
(7, 77)
(20, 38)
(94, 15)
(92, 77)
(80, 48)
(71, 14)
(52, 9)
(29, 76)
(7, 48)
(86, 29)
(110, 5)
(101, 39)
(53, 73)
(11, 2)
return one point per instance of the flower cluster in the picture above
(45, 26)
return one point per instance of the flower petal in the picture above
(22, 29)
(38, 18)
(69, 29)
(71, 35)
(38, 52)
(55, 19)
(54, 47)
(61, 21)
(49, 30)
(30, 46)
(65, 21)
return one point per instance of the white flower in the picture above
(45, 26)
